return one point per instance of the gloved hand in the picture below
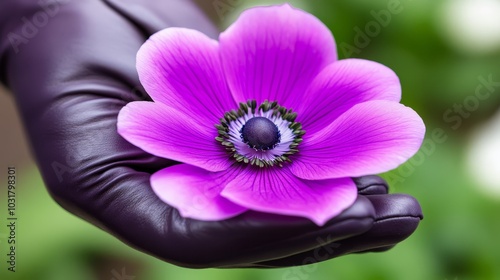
(71, 67)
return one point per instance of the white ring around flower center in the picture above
(287, 137)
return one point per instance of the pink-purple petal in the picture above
(278, 191)
(195, 192)
(370, 138)
(165, 132)
(342, 85)
(181, 68)
(274, 53)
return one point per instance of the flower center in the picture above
(260, 133)
(263, 136)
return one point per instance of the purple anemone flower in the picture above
(266, 119)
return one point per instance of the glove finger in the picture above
(253, 236)
(397, 217)
(371, 184)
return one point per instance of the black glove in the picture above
(71, 66)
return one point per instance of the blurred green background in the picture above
(444, 53)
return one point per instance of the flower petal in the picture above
(342, 85)
(181, 68)
(195, 192)
(278, 191)
(165, 132)
(371, 137)
(274, 53)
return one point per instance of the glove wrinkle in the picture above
(371, 184)
(151, 16)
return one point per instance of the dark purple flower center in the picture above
(263, 135)
(260, 133)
